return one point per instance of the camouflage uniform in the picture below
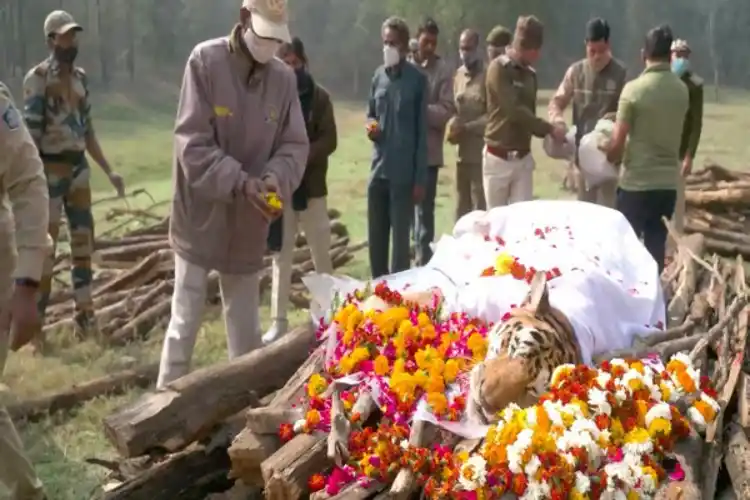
(58, 115)
(23, 243)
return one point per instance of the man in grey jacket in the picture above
(440, 108)
(239, 136)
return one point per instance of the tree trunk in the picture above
(103, 44)
(130, 61)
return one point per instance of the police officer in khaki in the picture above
(22, 251)
(508, 166)
(693, 125)
(466, 128)
(593, 85)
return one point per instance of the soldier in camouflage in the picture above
(58, 114)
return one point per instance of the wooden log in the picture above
(116, 383)
(103, 315)
(141, 325)
(688, 247)
(689, 452)
(285, 473)
(250, 448)
(133, 253)
(103, 243)
(737, 459)
(188, 475)
(743, 401)
(136, 276)
(191, 406)
(724, 197)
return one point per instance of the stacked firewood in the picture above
(134, 277)
(718, 206)
(222, 422)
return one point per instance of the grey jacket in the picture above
(440, 106)
(232, 124)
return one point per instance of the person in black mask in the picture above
(308, 207)
(57, 111)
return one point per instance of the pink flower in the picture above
(616, 456)
(678, 474)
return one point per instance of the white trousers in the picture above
(16, 471)
(240, 300)
(316, 226)
(507, 181)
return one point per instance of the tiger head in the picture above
(524, 350)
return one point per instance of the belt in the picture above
(507, 154)
(70, 157)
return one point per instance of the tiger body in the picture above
(523, 352)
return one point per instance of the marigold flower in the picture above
(316, 385)
(381, 365)
(316, 482)
(438, 402)
(451, 370)
(286, 432)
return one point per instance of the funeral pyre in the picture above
(665, 417)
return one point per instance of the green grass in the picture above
(137, 139)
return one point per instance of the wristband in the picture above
(27, 282)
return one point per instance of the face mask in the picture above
(468, 57)
(66, 55)
(391, 57)
(680, 66)
(261, 49)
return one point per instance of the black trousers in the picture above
(390, 212)
(644, 210)
(424, 219)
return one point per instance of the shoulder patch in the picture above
(696, 80)
(11, 117)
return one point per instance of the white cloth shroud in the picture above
(609, 287)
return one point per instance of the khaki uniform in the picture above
(691, 136)
(511, 122)
(471, 113)
(594, 94)
(23, 206)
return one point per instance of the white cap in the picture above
(269, 18)
(680, 45)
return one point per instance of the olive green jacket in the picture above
(691, 130)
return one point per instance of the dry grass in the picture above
(139, 144)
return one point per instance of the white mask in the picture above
(261, 49)
(391, 56)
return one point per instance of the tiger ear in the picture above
(537, 301)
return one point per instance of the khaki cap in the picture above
(269, 18)
(59, 22)
(529, 33)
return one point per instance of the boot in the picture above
(277, 330)
(85, 325)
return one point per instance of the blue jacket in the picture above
(398, 102)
